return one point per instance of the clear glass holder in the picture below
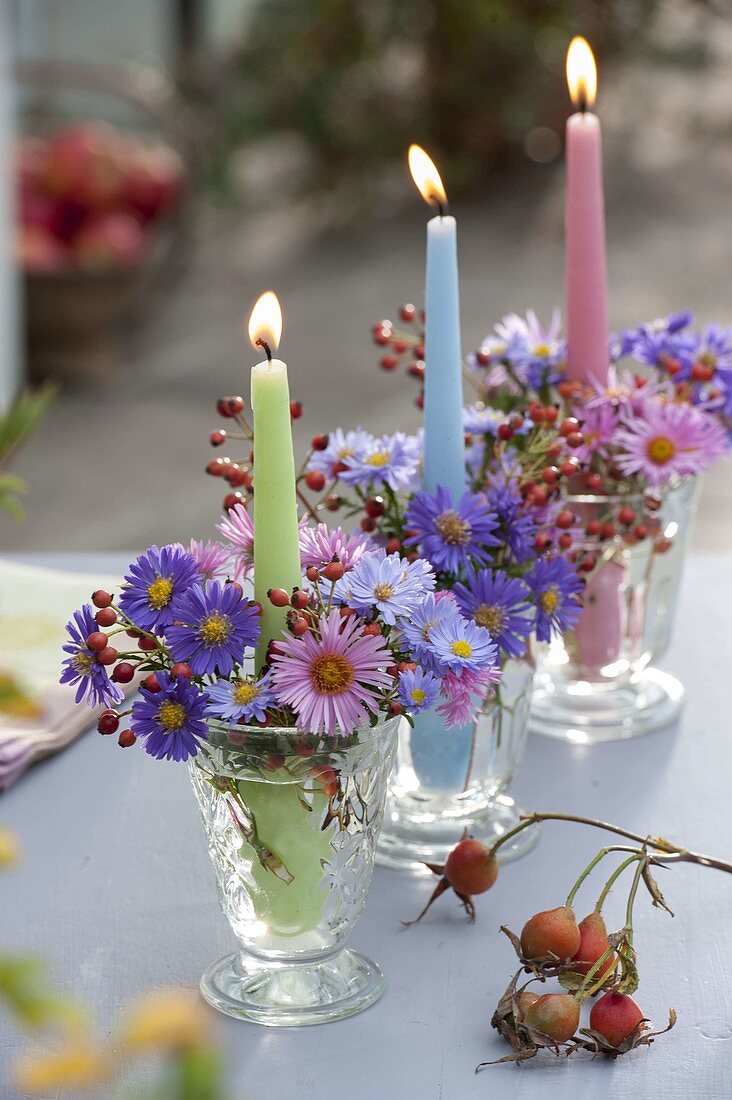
(447, 782)
(599, 682)
(291, 821)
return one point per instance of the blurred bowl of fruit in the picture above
(99, 211)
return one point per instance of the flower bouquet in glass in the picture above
(642, 440)
(289, 757)
(488, 549)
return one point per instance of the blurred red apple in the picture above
(84, 166)
(39, 252)
(108, 241)
(153, 179)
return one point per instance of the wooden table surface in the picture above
(117, 892)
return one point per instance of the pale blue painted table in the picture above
(117, 892)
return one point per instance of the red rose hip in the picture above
(615, 1016)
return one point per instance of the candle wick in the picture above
(440, 207)
(582, 100)
(265, 346)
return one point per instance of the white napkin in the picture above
(35, 605)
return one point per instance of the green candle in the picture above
(276, 545)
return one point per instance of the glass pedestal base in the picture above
(585, 713)
(287, 994)
(409, 839)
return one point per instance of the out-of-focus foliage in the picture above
(68, 1059)
(16, 427)
(357, 80)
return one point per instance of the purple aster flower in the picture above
(211, 558)
(667, 440)
(433, 609)
(171, 721)
(82, 667)
(342, 446)
(500, 604)
(238, 530)
(333, 681)
(241, 700)
(659, 346)
(464, 696)
(460, 645)
(320, 544)
(154, 581)
(536, 352)
(392, 460)
(212, 627)
(418, 689)
(555, 590)
(714, 348)
(518, 524)
(450, 536)
(386, 583)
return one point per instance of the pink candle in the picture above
(587, 325)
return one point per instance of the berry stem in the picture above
(613, 879)
(593, 863)
(663, 851)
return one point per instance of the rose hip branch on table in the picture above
(351, 669)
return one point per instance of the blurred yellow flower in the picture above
(79, 1064)
(9, 848)
(167, 1020)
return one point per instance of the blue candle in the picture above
(444, 438)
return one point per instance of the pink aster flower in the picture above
(331, 682)
(599, 422)
(625, 393)
(463, 696)
(238, 530)
(669, 440)
(319, 545)
(212, 558)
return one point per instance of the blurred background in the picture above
(167, 160)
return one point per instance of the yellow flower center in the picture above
(159, 593)
(244, 693)
(660, 450)
(427, 628)
(549, 599)
(384, 591)
(417, 696)
(331, 674)
(489, 616)
(461, 648)
(541, 349)
(171, 716)
(378, 458)
(454, 530)
(215, 629)
(83, 663)
(707, 359)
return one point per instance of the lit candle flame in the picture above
(581, 73)
(426, 176)
(265, 322)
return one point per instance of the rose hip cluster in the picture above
(107, 616)
(405, 348)
(239, 474)
(586, 961)
(582, 956)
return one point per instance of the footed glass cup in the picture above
(446, 781)
(291, 821)
(598, 682)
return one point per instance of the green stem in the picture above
(642, 863)
(613, 879)
(591, 866)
